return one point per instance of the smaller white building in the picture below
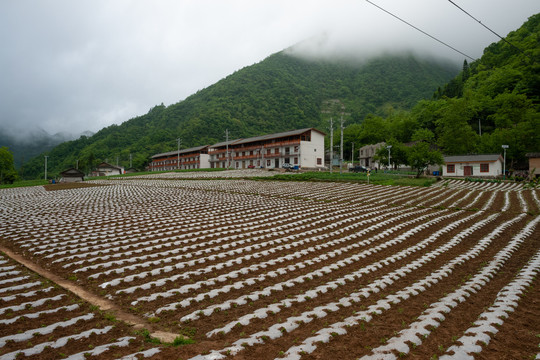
(484, 165)
(106, 169)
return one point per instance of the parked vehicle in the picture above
(358, 168)
(288, 166)
(251, 166)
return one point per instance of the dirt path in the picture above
(93, 299)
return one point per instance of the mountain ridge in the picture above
(280, 93)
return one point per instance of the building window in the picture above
(276, 151)
(484, 168)
(295, 161)
(319, 161)
(451, 168)
(267, 162)
(268, 151)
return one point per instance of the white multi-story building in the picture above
(192, 158)
(303, 148)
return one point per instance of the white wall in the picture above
(311, 150)
(495, 169)
(204, 161)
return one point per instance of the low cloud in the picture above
(71, 66)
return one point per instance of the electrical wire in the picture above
(422, 31)
(499, 36)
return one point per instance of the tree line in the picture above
(493, 101)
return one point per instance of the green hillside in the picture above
(280, 93)
(493, 101)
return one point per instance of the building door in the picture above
(467, 170)
(276, 163)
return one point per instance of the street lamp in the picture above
(504, 163)
(389, 147)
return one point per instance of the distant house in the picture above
(105, 169)
(366, 154)
(534, 163)
(484, 165)
(71, 175)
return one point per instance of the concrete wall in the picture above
(495, 169)
(534, 163)
(204, 161)
(310, 151)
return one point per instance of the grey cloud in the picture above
(81, 65)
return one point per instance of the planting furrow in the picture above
(487, 206)
(31, 304)
(122, 342)
(461, 199)
(28, 334)
(288, 244)
(328, 243)
(38, 314)
(506, 302)
(38, 349)
(322, 272)
(435, 314)
(237, 226)
(325, 334)
(246, 236)
(365, 316)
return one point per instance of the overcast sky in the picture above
(76, 65)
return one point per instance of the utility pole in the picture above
(341, 147)
(227, 147)
(77, 166)
(479, 127)
(331, 143)
(504, 163)
(116, 160)
(352, 154)
(178, 157)
(389, 147)
(46, 156)
(130, 161)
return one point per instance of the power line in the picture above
(422, 31)
(499, 36)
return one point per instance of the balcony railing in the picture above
(239, 148)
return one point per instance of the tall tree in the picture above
(456, 136)
(423, 153)
(7, 166)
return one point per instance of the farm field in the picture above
(263, 270)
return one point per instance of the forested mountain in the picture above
(33, 143)
(493, 101)
(282, 92)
